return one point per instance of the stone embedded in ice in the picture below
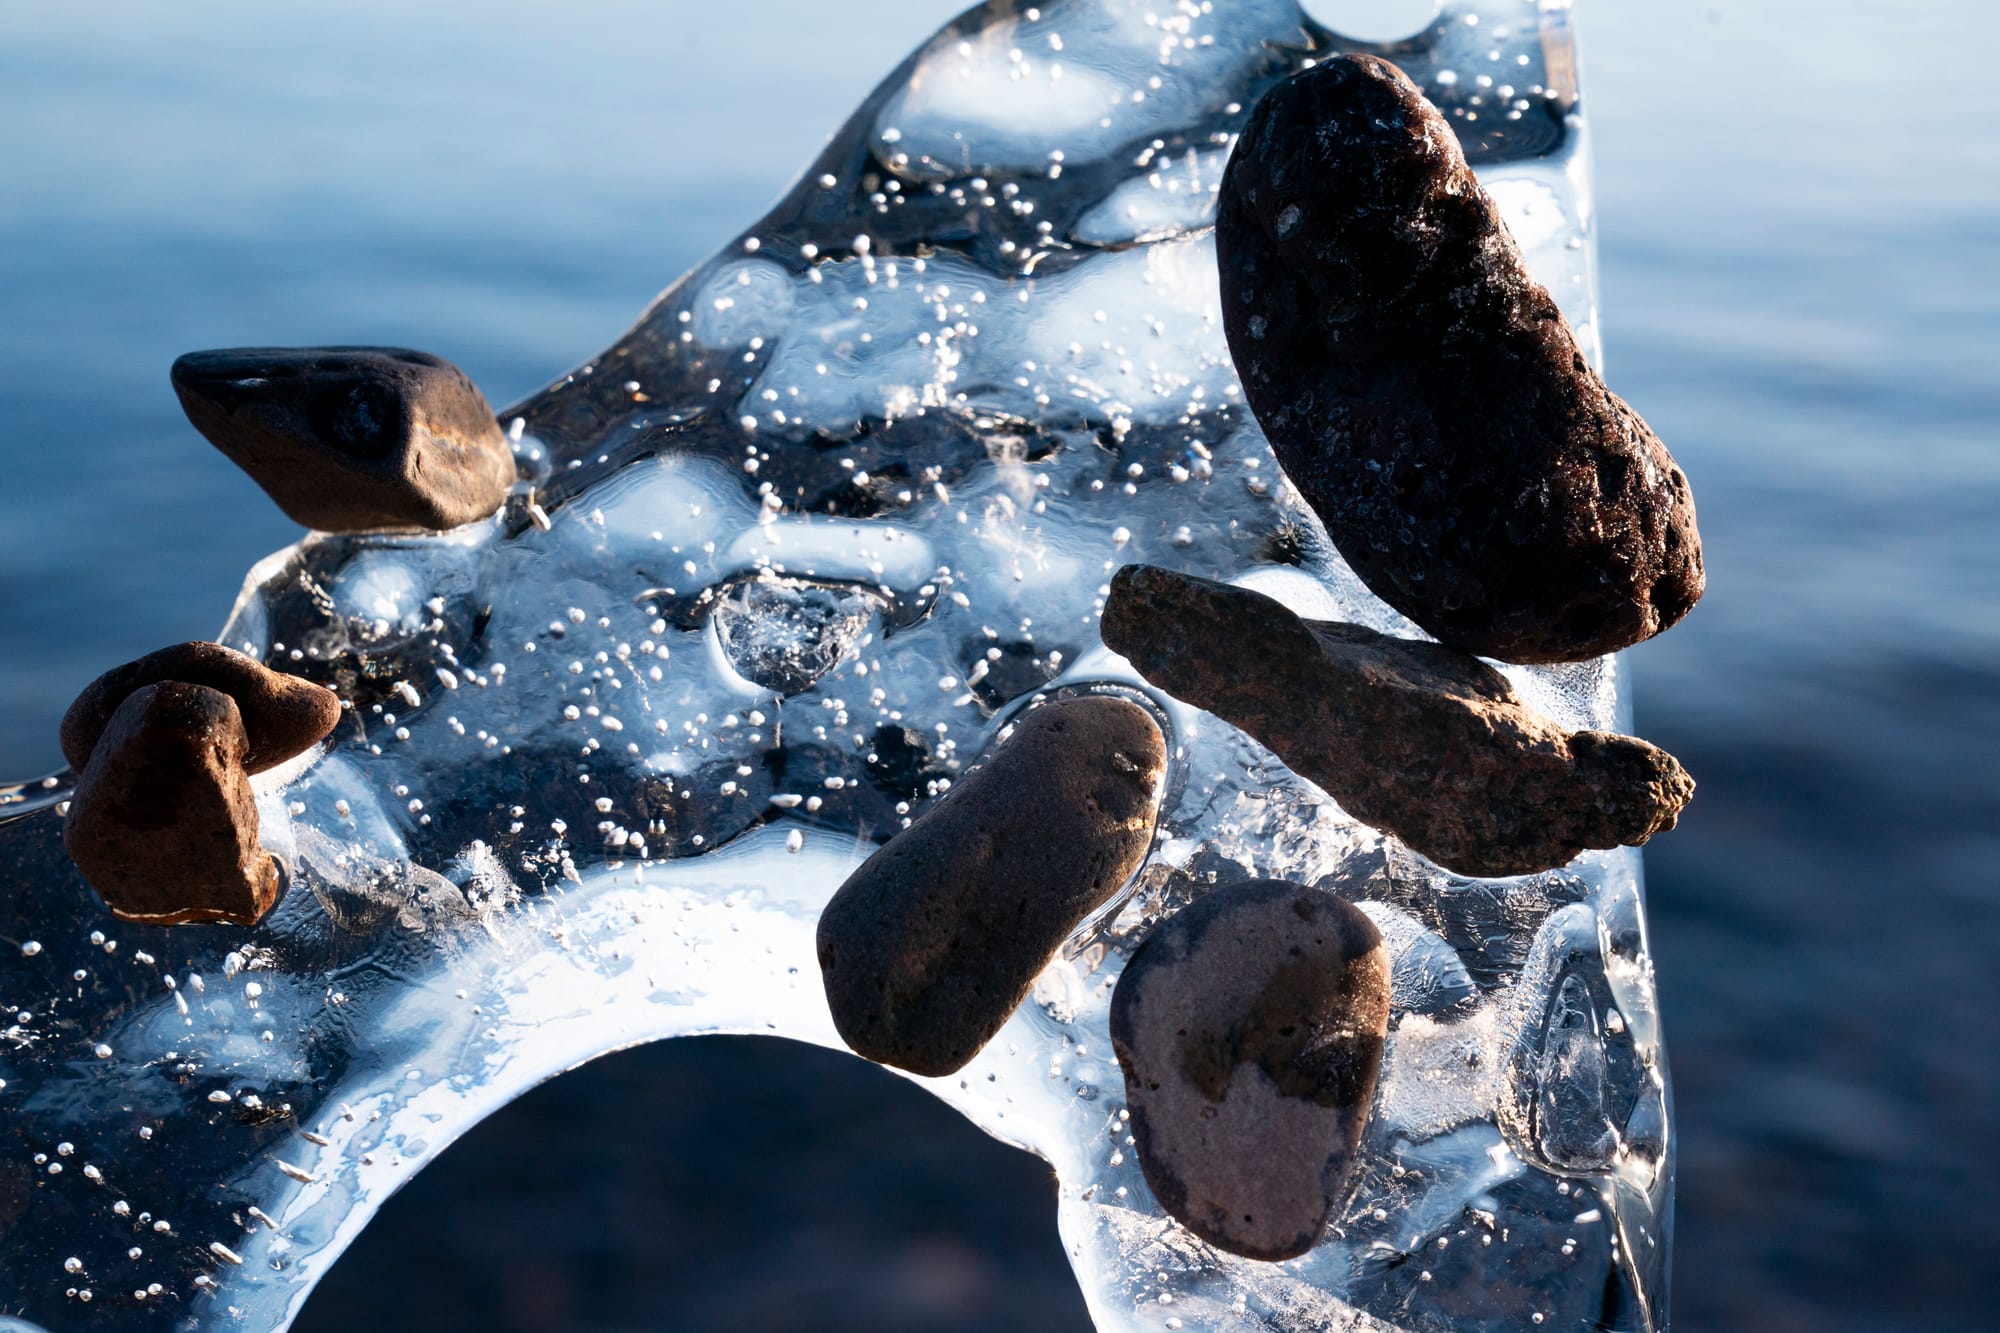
(1250, 1027)
(936, 938)
(1418, 739)
(167, 785)
(352, 439)
(282, 715)
(1424, 392)
(609, 755)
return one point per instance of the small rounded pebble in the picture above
(283, 715)
(1250, 1028)
(163, 823)
(1425, 394)
(937, 937)
(352, 439)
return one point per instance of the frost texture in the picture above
(844, 501)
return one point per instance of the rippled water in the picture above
(1792, 260)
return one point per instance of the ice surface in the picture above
(841, 504)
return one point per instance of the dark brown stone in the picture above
(934, 941)
(283, 715)
(1424, 393)
(1250, 1028)
(1417, 739)
(352, 439)
(162, 822)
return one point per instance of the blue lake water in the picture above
(1799, 221)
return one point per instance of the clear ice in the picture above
(790, 555)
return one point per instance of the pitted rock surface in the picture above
(282, 715)
(933, 942)
(163, 823)
(1418, 739)
(352, 439)
(1425, 394)
(1250, 1028)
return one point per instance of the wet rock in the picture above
(933, 942)
(1417, 739)
(1426, 396)
(162, 822)
(283, 715)
(352, 439)
(1250, 1028)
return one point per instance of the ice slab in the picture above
(842, 503)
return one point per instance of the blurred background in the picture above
(1799, 224)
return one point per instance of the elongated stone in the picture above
(1417, 739)
(162, 822)
(937, 937)
(1425, 394)
(1250, 1028)
(282, 715)
(352, 439)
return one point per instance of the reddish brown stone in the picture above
(1425, 394)
(1250, 1028)
(1417, 739)
(938, 937)
(162, 822)
(352, 439)
(283, 715)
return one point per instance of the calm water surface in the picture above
(1799, 211)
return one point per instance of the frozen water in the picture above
(784, 634)
(795, 549)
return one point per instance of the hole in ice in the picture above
(1379, 21)
(826, 1195)
(784, 634)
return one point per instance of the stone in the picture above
(939, 936)
(1250, 1028)
(352, 439)
(1417, 739)
(162, 822)
(1426, 396)
(283, 715)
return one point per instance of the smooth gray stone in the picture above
(1250, 1027)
